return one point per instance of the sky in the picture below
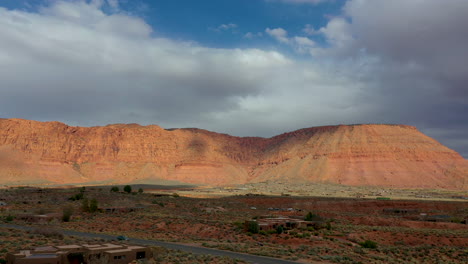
(241, 67)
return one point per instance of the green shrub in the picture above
(93, 206)
(253, 227)
(312, 217)
(279, 229)
(9, 218)
(85, 205)
(114, 189)
(140, 190)
(67, 213)
(368, 244)
(127, 189)
(77, 197)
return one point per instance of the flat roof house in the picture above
(77, 254)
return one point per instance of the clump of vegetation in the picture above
(93, 205)
(127, 189)
(368, 244)
(312, 217)
(279, 229)
(67, 213)
(90, 206)
(85, 205)
(253, 227)
(115, 189)
(9, 218)
(140, 190)
(78, 196)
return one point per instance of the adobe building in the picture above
(77, 254)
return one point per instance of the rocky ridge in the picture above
(33, 152)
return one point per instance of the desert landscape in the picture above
(345, 230)
(336, 194)
(222, 131)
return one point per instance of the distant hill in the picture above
(44, 153)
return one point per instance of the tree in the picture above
(279, 229)
(114, 189)
(127, 189)
(93, 205)
(140, 190)
(312, 217)
(253, 227)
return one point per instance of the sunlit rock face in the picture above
(45, 153)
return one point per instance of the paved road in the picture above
(187, 248)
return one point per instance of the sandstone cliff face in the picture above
(385, 155)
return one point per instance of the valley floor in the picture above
(396, 230)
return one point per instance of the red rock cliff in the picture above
(385, 155)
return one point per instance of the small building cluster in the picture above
(88, 254)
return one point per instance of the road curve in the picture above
(187, 248)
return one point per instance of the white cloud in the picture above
(72, 62)
(279, 34)
(382, 63)
(114, 4)
(224, 27)
(299, 44)
(309, 30)
(250, 35)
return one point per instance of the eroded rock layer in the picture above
(34, 152)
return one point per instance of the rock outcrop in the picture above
(34, 152)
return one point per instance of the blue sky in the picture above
(243, 67)
(202, 21)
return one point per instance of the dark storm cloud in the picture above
(420, 76)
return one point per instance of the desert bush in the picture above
(368, 244)
(67, 213)
(140, 190)
(312, 217)
(127, 189)
(85, 205)
(114, 189)
(9, 218)
(93, 205)
(77, 197)
(279, 229)
(253, 227)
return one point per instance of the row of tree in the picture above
(127, 189)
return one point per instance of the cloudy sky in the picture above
(243, 67)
